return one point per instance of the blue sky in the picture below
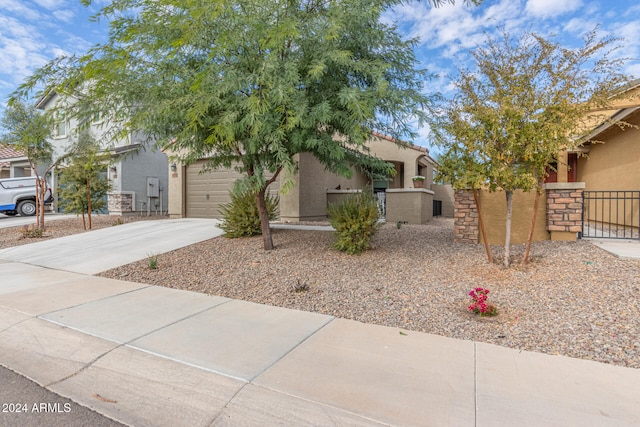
(33, 32)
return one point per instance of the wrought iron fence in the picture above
(611, 214)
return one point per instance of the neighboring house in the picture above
(138, 173)
(13, 163)
(595, 191)
(606, 166)
(200, 195)
(597, 163)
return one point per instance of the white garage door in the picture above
(206, 192)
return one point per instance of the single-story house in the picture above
(13, 163)
(138, 173)
(195, 194)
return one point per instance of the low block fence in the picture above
(559, 215)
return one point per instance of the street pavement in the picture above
(154, 356)
(26, 404)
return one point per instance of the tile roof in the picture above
(8, 152)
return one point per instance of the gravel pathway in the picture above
(573, 299)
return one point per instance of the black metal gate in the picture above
(611, 214)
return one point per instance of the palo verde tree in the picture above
(28, 130)
(525, 100)
(83, 183)
(248, 84)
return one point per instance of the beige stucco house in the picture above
(595, 191)
(193, 193)
(13, 163)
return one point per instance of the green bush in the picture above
(356, 222)
(31, 232)
(241, 218)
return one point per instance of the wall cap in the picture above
(564, 186)
(409, 190)
(343, 191)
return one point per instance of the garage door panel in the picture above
(206, 192)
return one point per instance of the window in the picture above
(60, 130)
(96, 118)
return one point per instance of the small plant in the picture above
(31, 232)
(241, 218)
(118, 221)
(479, 303)
(399, 225)
(300, 286)
(355, 220)
(153, 262)
(418, 178)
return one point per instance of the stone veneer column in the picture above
(564, 209)
(466, 226)
(119, 203)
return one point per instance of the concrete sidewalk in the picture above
(622, 248)
(154, 356)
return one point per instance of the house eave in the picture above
(615, 118)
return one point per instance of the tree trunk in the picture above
(84, 223)
(89, 201)
(264, 219)
(507, 239)
(38, 197)
(534, 217)
(41, 191)
(482, 229)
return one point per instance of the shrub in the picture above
(355, 220)
(241, 218)
(31, 232)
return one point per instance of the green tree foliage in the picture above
(248, 84)
(355, 220)
(28, 130)
(241, 216)
(525, 100)
(83, 185)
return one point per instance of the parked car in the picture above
(18, 196)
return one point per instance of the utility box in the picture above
(153, 187)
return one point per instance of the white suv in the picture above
(18, 196)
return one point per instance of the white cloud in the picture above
(19, 8)
(64, 15)
(51, 4)
(551, 8)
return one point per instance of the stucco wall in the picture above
(445, 194)
(494, 215)
(307, 200)
(390, 151)
(615, 164)
(410, 205)
(175, 189)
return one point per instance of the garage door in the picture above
(206, 192)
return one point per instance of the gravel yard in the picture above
(573, 299)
